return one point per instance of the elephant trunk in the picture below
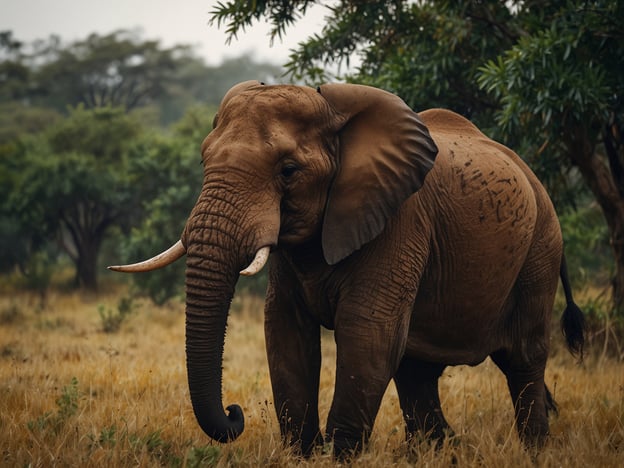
(209, 291)
(219, 241)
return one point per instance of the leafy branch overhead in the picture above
(237, 16)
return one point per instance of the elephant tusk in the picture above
(258, 262)
(170, 255)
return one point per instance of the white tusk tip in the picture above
(258, 262)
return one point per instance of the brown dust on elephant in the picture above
(418, 240)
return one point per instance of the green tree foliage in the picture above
(586, 238)
(117, 70)
(72, 183)
(543, 77)
(16, 119)
(95, 170)
(15, 75)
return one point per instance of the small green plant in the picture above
(203, 456)
(112, 320)
(152, 442)
(108, 436)
(114, 437)
(68, 401)
(67, 405)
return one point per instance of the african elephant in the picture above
(418, 240)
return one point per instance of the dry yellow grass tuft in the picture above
(72, 395)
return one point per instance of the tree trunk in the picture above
(86, 265)
(86, 224)
(601, 179)
(617, 242)
(85, 250)
(613, 138)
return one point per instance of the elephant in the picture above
(420, 241)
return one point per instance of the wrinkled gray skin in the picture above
(418, 240)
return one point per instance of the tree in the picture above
(117, 70)
(73, 183)
(18, 240)
(543, 77)
(14, 73)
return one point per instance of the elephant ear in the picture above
(234, 91)
(385, 153)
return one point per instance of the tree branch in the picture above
(500, 26)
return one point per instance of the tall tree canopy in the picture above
(545, 77)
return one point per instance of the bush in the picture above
(112, 320)
(586, 240)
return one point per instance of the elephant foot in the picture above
(346, 445)
(437, 432)
(534, 436)
(346, 450)
(307, 445)
(304, 446)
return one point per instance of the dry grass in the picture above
(129, 404)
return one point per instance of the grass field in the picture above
(72, 395)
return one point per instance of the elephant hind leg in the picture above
(531, 398)
(417, 385)
(528, 324)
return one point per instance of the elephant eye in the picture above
(289, 169)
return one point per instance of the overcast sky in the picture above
(171, 22)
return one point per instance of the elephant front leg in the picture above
(368, 354)
(294, 356)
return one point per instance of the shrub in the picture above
(67, 406)
(112, 320)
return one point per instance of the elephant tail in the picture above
(573, 320)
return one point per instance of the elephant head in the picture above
(286, 165)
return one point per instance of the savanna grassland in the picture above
(74, 395)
